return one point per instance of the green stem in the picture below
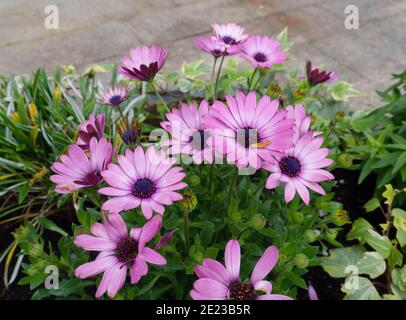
(121, 111)
(186, 230)
(252, 78)
(160, 97)
(211, 176)
(218, 78)
(232, 185)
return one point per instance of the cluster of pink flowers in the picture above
(245, 131)
(231, 39)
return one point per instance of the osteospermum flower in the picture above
(76, 170)
(252, 131)
(147, 180)
(301, 120)
(93, 127)
(119, 251)
(229, 34)
(143, 63)
(129, 131)
(214, 46)
(262, 51)
(314, 76)
(188, 134)
(223, 283)
(300, 168)
(115, 96)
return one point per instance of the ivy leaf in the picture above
(363, 231)
(359, 288)
(342, 91)
(342, 261)
(372, 264)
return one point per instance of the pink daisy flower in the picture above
(300, 168)
(262, 51)
(251, 130)
(188, 132)
(119, 251)
(229, 34)
(214, 46)
(76, 170)
(147, 180)
(93, 127)
(301, 120)
(115, 96)
(143, 63)
(217, 282)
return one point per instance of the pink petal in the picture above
(274, 297)
(273, 181)
(117, 280)
(264, 286)
(198, 296)
(232, 258)
(95, 267)
(139, 268)
(265, 264)
(289, 191)
(149, 230)
(210, 288)
(152, 256)
(91, 243)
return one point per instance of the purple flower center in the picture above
(247, 136)
(198, 140)
(127, 250)
(116, 100)
(241, 291)
(290, 166)
(91, 179)
(228, 40)
(144, 188)
(130, 136)
(260, 57)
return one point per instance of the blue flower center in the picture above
(130, 136)
(126, 250)
(144, 188)
(247, 136)
(116, 100)
(198, 140)
(241, 291)
(228, 40)
(260, 57)
(290, 166)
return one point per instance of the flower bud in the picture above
(340, 217)
(311, 235)
(301, 261)
(258, 221)
(165, 239)
(298, 217)
(189, 201)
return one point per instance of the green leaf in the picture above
(342, 91)
(48, 224)
(388, 194)
(372, 205)
(399, 220)
(359, 288)
(400, 162)
(341, 261)
(395, 258)
(372, 264)
(363, 231)
(296, 280)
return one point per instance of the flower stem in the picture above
(218, 78)
(232, 186)
(252, 78)
(160, 97)
(186, 230)
(211, 177)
